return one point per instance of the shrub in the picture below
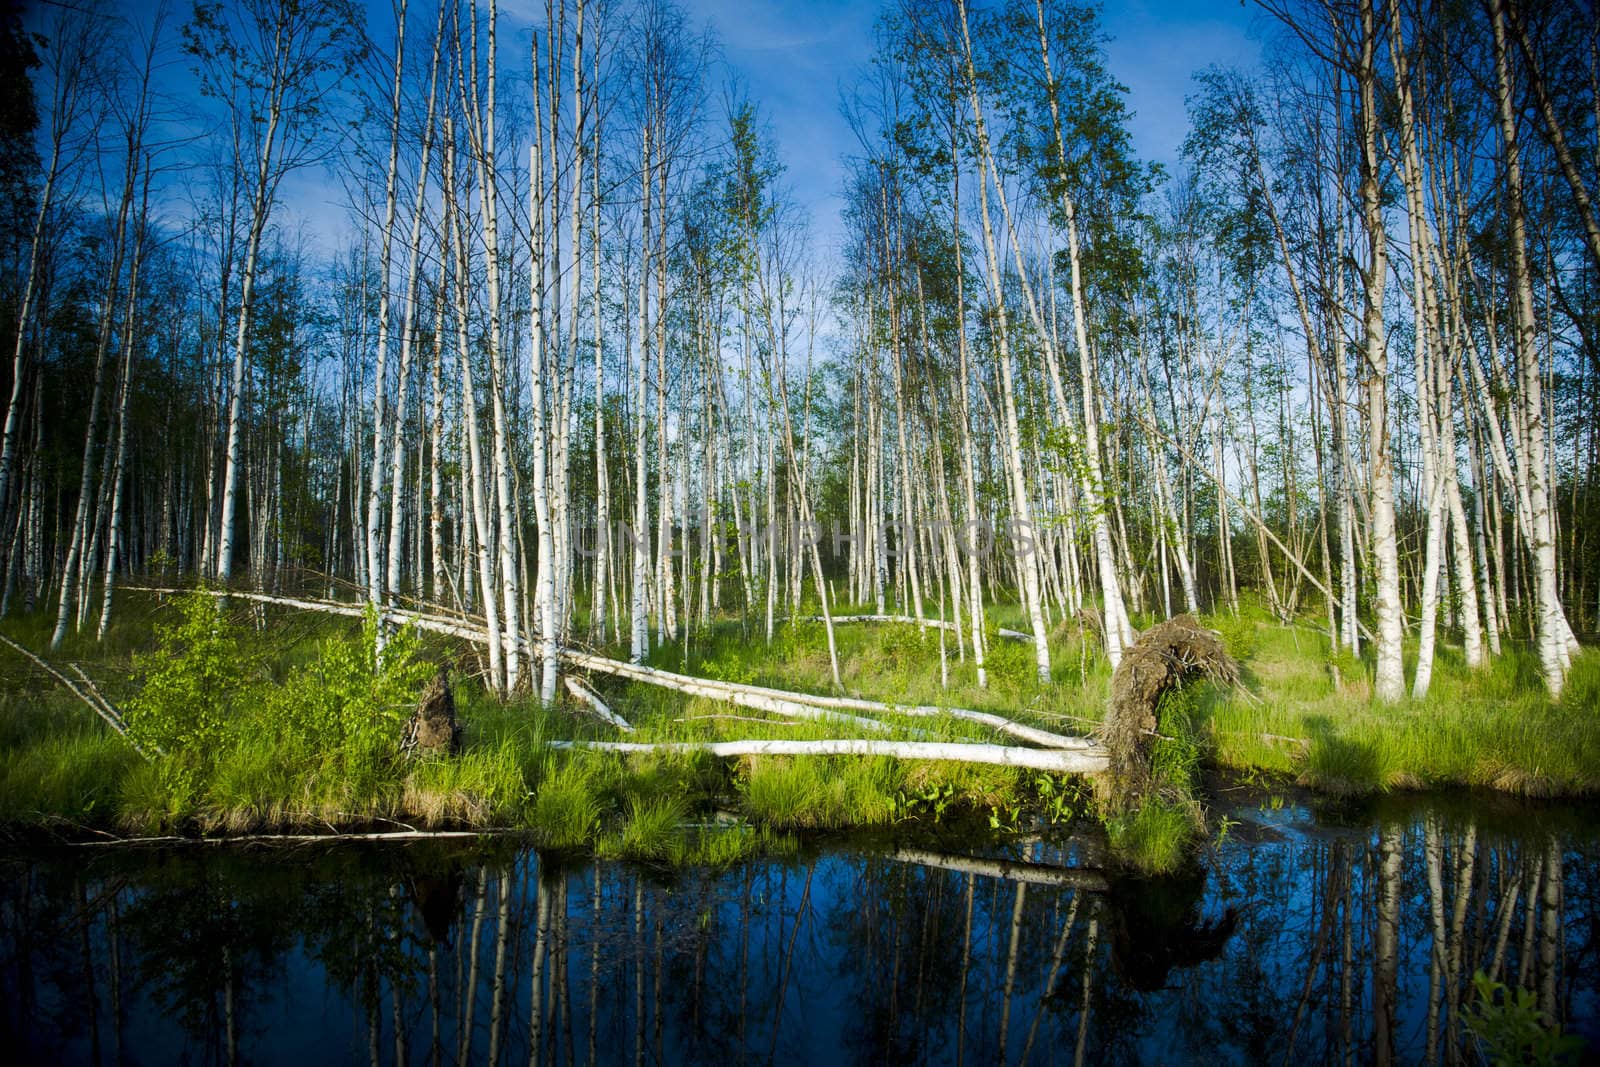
(1239, 634)
(181, 708)
(1010, 664)
(348, 706)
(1510, 1029)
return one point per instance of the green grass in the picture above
(566, 804)
(1305, 714)
(72, 777)
(1156, 837)
(1491, 728)
(819, 794)
(652, 829)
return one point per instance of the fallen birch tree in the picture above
(584, 695)
(90, 695)
(739, 693)
(938, 624)
(806, 706)
(1058, 761)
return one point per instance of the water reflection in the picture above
(1305, 937)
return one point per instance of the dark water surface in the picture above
(1306, 936)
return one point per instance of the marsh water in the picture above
(1307, 933)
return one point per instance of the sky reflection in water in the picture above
(1274, 951)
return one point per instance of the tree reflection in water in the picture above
(1303, 937)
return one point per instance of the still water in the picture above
(1306, 934)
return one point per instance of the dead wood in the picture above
(1167, 657)
(432, 729)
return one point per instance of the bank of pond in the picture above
(1307, 930)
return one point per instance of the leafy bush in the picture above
(1010, 664)
(1510, 1029)
(348, 706)
(181, 709)
(1239, 633)
(223, 733)
(902, 646)
(727, 667)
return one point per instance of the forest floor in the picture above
(1303, 714)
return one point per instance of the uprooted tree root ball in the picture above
(433, 729)
(1167, 657)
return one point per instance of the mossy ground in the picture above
(1304, 713)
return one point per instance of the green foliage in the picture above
(1239, 632)
(1049, 798)
(728, 667)
(1492, 727)
(1175, 752)
(1581, 694)
(653, 829)
(318, 749)
(144, 803)
(181, 709)
(241, 751)
(726, 845)
(72, 776)
(817, 794)
(781, 792)
(348, 706)
(484, 786)
(1059, 800)
(929, 801)
(1509, 1027)
(902, 646)
(1010, 664)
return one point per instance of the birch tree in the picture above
(275, 68)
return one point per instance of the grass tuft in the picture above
(1154, 839)
(566, 804)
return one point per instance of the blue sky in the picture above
(794, 56)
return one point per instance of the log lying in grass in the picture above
(584, 695)
(97, 703)
(774, 701)
(741, 694)
(1013, 871)
(1058, 761)
(941, 624)
(438, 624)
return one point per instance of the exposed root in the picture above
(1166, 657)
(432, 729)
